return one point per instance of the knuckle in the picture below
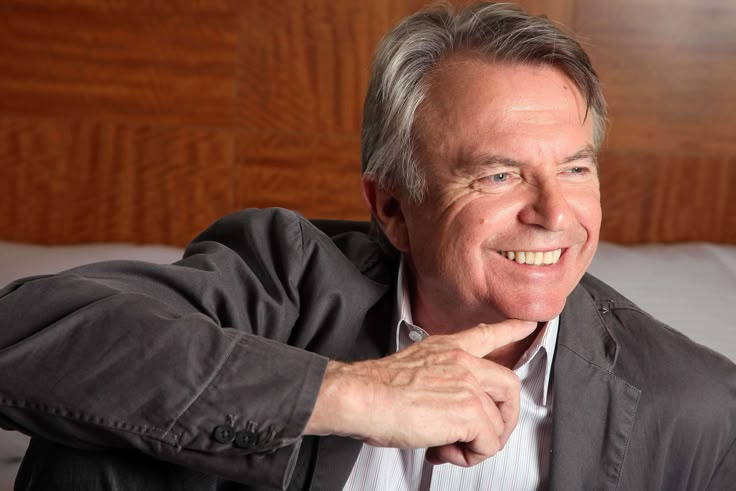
(514, 382)
(471, 405)
(498, 329)
(451, 356)
(474, 402)
(490, 447)
(467, 379)
(456, 354)
(511, 385)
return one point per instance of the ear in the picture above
(385, 206)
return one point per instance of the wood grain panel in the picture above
(301, 100)
(72, 181)
(153, 62)
(306, 64)
(667, 198)
(560, 11)
(316, 175)
(144, 120)
(668, 73)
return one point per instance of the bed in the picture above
(128, 127)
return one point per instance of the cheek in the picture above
(593, 218)
(466, 252)
(471, 230)
(589, 214)
(487, 214)
(587, 206)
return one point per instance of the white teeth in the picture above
(533, 258)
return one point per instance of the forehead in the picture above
(529, 111)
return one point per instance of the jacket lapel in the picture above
(594, 410)
(336, 456)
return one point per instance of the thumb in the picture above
(482, 339)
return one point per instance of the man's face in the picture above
(510, 166)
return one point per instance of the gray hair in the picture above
(409, 53)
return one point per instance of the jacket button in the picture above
(245, 439)
(224, 433)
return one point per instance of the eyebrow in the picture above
(588, 152)
(486, 162)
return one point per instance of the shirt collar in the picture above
(544, 347)
(408, 333)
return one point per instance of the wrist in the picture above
(335, 404)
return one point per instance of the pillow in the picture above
(19, 260)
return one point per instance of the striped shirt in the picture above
(523, 464)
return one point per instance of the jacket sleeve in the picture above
(159, 357)
(725, 475)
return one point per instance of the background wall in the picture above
(143, 121)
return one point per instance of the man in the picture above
(270, 353)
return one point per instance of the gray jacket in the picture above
(191, 375)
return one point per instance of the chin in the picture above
(535, 311)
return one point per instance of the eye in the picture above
(500, 177)
(500, 182)
(578, 170)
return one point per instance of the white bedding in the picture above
(691, 287)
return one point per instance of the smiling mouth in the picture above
(533, 258)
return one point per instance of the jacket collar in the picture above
(585, 332)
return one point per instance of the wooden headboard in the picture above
(133, 121)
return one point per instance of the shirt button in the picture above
(224, 433)
(245, 439)
(415, 336)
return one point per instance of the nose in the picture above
(548, 207)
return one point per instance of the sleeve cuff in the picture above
(264, 392)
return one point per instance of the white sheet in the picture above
(691, 287)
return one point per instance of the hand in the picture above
(439, 393)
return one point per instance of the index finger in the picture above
(482, 339)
